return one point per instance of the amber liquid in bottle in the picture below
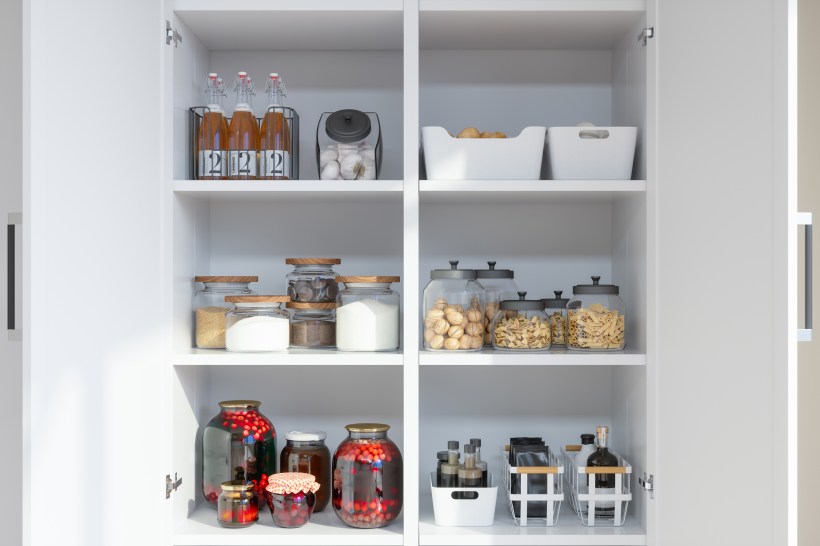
(243, 133)
(212, 141)
(274, 137)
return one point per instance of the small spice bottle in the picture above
(306, 452)
(258, 324)
(210, 307)
(312, 325)
(556, 308)
(237, 505)
(291, 498)
(312, 279)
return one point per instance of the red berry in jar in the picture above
(367, 477)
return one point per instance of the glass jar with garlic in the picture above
(453, 310)
(521, 325)
(499, 284)
(350, 146)
(596, 318)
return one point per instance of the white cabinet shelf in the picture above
(292, 191)
(491, 357)
(568, 532)
(292, 357)
(527, 191)
(324, 528)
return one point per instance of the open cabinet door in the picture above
(722, 225)
(92, 208)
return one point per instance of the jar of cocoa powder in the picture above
(312, 325)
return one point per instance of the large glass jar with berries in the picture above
(238, 444)
(499, 285)
(367, 477)
(453, 312)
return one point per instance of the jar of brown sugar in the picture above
(312, 325)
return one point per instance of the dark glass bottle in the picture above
(479, 463)
(449, 470)
(469, 475)
(604, 483)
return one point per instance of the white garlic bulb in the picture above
(352, 167)
(331, 171)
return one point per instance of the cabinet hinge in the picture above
(171, 485)
(648, 484)
(647, 33)
(171, 35)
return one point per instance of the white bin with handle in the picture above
(464, 506)
(591, 153)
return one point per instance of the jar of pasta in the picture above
(556, 309)
(499, 285)
(596, 317)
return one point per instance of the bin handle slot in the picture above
(596, 134)
(464, 495)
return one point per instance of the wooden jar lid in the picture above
(311, 305)
(225, 278)
(348, 279)
(257, 299)
(313, 261)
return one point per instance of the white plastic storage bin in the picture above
(553, 500)
(587, 500)
(450, 158)
(464, 506)
(591, 153)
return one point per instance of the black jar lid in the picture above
(595, 287)
(522, 304)
(454, 273)
(493, 273)
(348, 126)
(587, 439)
(443, 456)
(557, 302)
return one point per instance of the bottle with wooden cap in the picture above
(257, 324)
(367, 314)
(469, 475)
(210, 306)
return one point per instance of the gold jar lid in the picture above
(237, 486)
(238, 404)
(367, 427)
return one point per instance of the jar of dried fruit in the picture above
(210, 307)
(453, 311)
(238, 444)
(556, 308)
(312, 279)
(596, 317)
(499, 284)
(367, 477)
(521, 325)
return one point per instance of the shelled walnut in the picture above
(452, 327)
(520, 332)
(596, 327)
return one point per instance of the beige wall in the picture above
(809, 201)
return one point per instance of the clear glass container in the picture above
(367, 314)
(521, 325)
(306, 452)
(499, 284)
(349, 145)
(556, 308)
(453, 310)
(312, 325)
(313, 280)
(257, 324)
(237, 505)
(210, 307)
(368, 477)
(596, 317)
(238, 444)
(291, 497)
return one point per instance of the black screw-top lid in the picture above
(557, 302)
(443, 456)
(469, 448)
(595, 288)
(348, 126)
(587, 439)
(522, 304)
(476, 441)
(452, 444)
(493, 273)
(454, 273)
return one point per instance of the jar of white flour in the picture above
(367, 314)
(257, 324)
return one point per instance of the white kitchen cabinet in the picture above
(696, 242)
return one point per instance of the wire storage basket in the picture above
(521, 482)
(275, 164)
(596, 506)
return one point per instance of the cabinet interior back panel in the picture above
(497, 403)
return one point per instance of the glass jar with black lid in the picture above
(453, 307)
(556, 309)
(499, 284)
(521, 325)
(596, 317)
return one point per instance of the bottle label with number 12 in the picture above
(212, 163)
(242, 163)
(276, 163)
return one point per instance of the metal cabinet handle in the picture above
(805, 219)
(14, 220)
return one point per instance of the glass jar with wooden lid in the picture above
(257, 324)
(210, 306)
(312, 325)
(312, 279)
(367, 314)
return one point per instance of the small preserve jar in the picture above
(210, 307)
(312, 279)
(498, 285)
(367, 314)
(238, 444)
(306, 452)
(237, 505)
(596, 317)
(556, 308)
(291, 497)
(521, 325)
(349, 145)
(453, 310)
(367, 477)
(257, 324)
(312, 325)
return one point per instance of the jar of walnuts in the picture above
(453, 310)
(498, 284)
